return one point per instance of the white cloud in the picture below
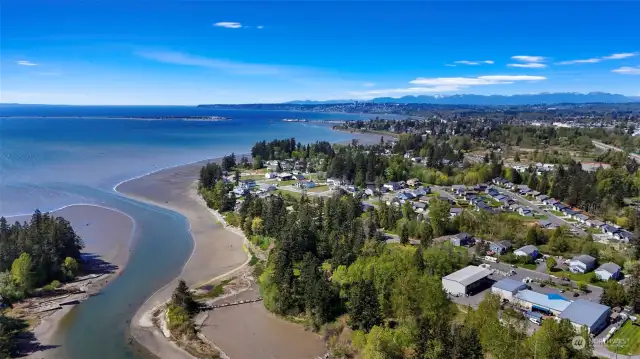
(368, 84)
(530, 65)
(260, 27)
(627, 70)
(593, 60)
(619, 56)
(26, 63)
(228, 24)
(241, 68)
(447, 84)
(465, 62)
(526, 58)
(474, 81)
(450, 65)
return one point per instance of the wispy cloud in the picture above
(593, 60)
(228, 24)
(234, 67)
(260, 27)
(527, 58)
(528, 62)
(449, 84)
(26, 63)
(627, 70)
(530, 65)
(368, 84)
(465, 62)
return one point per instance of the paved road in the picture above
(604, 146)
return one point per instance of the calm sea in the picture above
(63, 159)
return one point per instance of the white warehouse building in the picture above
(507, 288)
(465, 280)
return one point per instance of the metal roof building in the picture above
(592, 315)
(548, 303)
(465, 280)
(507, 288)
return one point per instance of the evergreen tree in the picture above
(418, 259)
(363, 306)
(183, 298)
(404, 234)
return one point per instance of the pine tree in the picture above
(418, 259)
(364, 309)
(404, 234)
(183, 298)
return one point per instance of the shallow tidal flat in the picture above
(249, 331)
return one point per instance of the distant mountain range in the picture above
(530, 99)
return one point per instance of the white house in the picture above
(608, 271)
(270, 175)
(582, 264)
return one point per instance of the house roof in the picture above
(506, 243)
(582, 216)
(596, 222)
(625, 234)
(455, 210)
(585, 258)
(509, 285)
(552, 301)
(530, 249)
(584, 312)
(609, 267)
(611, 229)
(462, 235)
(468, 275)
(544, 222)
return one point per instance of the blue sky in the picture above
(191, 52)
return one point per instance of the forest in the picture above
(329, 266)
(42, 252)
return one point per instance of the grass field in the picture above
(556, 213)
(295, 195)
(319, 189)
(626, 340)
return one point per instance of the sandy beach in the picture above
(107, 234)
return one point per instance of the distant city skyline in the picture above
(188, 53)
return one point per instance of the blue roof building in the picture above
(546, 303)
(583, 313)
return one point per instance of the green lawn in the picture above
(529, 266)
(577, 277)
(285, 193)
(319, 189)
(626, 340)
(593, 230)
(252, 177)
(556, 213)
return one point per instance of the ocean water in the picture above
(76, 155)
(40, 157)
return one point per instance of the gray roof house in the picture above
(530, 250)
(608, 271)
(623, 235)
(583, 313)
(462, 239)
(582, 264)
(582, 218)
(595, 223)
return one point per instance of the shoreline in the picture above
(151, 339)
(94, 224)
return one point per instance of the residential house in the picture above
(462, 239)
(298, 177)
(273, 168)
(421, 191)
(568, 212)
(444, 197)
(419, 206)
(534, 193)
(610, 230)
(492, 192)
(454, 211)
(413, 182)
(480, 188)
(499, 181)
(267, 187)
(582, 218)
(334, 182)
(285, 176)
(392, 186)
(529, 251)
(425, 199)
(546, 224)
(559, 206)
(416, 159)
(541, 198)
(623, 236)
(481, 206)
(240, 190)
(369, 191)
(524, 211)
(501, 247)
(506, 201)
(608, 271)
(594, 223)
(524, 190)
(305, 184)
(405, 196)
(270, 175)
(582, 264)
(550, 201)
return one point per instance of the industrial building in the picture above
(552, 304)
(507, 288)
(465, 280)
(583, 313)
